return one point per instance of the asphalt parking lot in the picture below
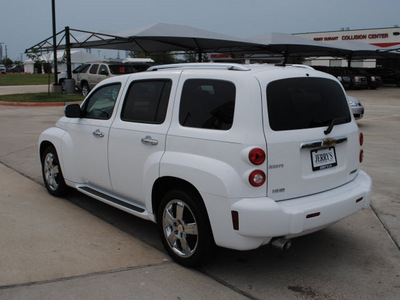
(79, 248)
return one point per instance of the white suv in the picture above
(216, 154)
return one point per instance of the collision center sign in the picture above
(371, 36)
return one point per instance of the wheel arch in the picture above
(43, 145)
(168, 183)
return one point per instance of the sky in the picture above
(24, 23)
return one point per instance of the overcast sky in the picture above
(23, 23)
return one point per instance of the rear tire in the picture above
(52, 174)
(184, 228)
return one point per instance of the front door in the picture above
(90, 134)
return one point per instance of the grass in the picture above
(25, 79)
(40, 97)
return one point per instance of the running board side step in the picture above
(107, 198)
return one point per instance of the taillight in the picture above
(361, 155)
(257, 156)
(257, 178)
(361, 139)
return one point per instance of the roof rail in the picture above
(227, 66)
(303, 66)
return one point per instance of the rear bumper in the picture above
(262, 219)
(358, 112)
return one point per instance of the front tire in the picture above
(52, 174)
(85, 89)
(184, 228)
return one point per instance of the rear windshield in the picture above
(301, 103)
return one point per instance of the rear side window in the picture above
(207, 103)
(301, 103)
(127, 68)
(147, 101)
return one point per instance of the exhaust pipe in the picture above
(281, 243)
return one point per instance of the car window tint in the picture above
(300, 103)
(81, 69)
(101, 103)
(93, 69)
(127, 68)
(147, 101)
(84, 69)
(103, 70)
(207, 104)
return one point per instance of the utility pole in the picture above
(5, 47)
(54, 42)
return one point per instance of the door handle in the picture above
(149, 140)
(98, 133)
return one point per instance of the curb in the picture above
(33, 104)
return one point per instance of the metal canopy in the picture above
(169, 37)
(157, 38)
(291, 45)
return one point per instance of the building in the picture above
(380, 37)
(78, 57)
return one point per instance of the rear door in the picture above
(138, 135)
(312, 142)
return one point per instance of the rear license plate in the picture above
(323, 158)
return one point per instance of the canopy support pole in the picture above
(68, 53)
(54, 42)
(200, 56)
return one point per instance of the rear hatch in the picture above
(312, 142)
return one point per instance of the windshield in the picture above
(300, 103)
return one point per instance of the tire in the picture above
(52, 174)
(85, 89)
(184, 228)
(63, 86)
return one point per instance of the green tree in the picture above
(7, 62)
(193, 56)
(295, 60)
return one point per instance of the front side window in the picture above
(147, 101)
(101, 103)
(93, 69)
(207, 103)
(301, 103)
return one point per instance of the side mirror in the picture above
(73, 111)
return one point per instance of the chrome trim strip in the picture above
(313, 144)
(323, 143)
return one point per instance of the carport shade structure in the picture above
(359, 50)
(155, 38)
(158, 38)
(290, 45)
(169, 37)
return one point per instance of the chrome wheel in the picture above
(51, 171)
(180, 228)
(85, 90)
